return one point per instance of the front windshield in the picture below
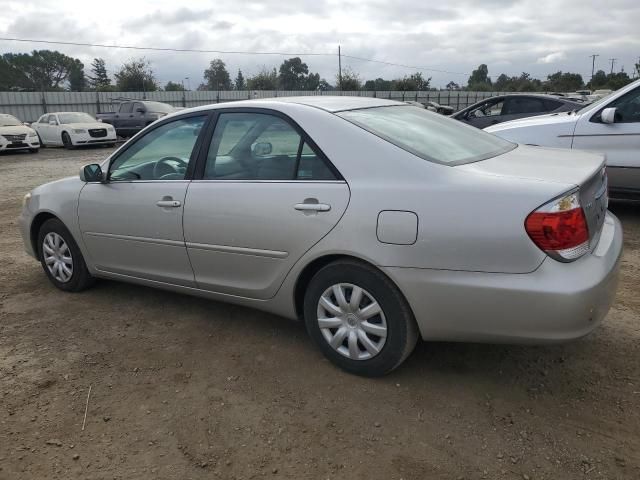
(597, 102)
(75, 118)
(428, 135)
(9, 121)
(158, 107)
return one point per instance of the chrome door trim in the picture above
(267, 181)
(158, 241)
(256, 252)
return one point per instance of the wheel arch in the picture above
(36, 225)
(307, 273)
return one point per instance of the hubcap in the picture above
(57, 257)
(352, 321)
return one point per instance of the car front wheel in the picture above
(359, 318)
(66, 141)
(61, 258)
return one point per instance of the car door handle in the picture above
(168, 203)
(312, 207)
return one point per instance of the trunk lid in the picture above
(568, 168)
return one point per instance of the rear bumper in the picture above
(556, 302)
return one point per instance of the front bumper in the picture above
(86, 139)
(24, 224)
(556, 302)
(26, 144)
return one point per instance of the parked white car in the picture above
(73, 129)
(610, 126)
(15, 135)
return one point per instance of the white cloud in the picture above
(552, 57)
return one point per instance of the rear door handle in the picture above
(312, 207)
(168, 203)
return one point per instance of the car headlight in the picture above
(79, 130)
(25, 199)
(32, 135)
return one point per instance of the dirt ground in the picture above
(184, 388)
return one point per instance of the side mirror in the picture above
(608, 115)
(261, 149)
(53, 122)
(92, 173)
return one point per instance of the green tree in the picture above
(479, 79)
(350, 80)
(77, 79)
(136, 75)
(452, 86)
(324, 85)
(564, 82)
(293, 74)
(377, 84)
(240, 83)
(99, 79)
(618, 80)
(38, 70)
(174, 87)
(312, 82)
(264, 80)
(411, 83)
(216, 76)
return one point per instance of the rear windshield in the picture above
(158, 107)
(428, 135)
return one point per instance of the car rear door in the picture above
(264, 195)
(132, 225)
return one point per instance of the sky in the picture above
(511, 36)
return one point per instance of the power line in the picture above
(229, 52)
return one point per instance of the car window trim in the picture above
(204, 151)
(194, 152)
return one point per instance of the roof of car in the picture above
(329, 103)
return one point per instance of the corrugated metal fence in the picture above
(29, 106)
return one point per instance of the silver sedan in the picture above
(374, 221)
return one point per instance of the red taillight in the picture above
(560, 228)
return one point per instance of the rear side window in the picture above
(524, 105)
(257, 146)
(551, 105)
(428, 135)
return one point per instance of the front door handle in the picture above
(312, 207)
(168, 203)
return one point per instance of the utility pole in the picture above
(613, 60)
(593, 63)
(339, 69)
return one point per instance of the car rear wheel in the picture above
(61, 258)
(359, 318)
(66, 141)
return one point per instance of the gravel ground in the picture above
(185, 388)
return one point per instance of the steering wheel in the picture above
(169, 169)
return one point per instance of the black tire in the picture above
(402, 331)
(34, 150)
(66, 141)
(80, 279)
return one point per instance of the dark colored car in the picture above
(511, 107)
(132, 116)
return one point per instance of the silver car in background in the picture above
(374, 221)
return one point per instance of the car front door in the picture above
(49, 131)
(264, 195)
(124, 119)
(132, 225)
(620, 141)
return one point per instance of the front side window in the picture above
(429, 136)
(627, 107)
(488, 109)
(43, 119)
(256, 146)
(162, 154)
(126, 107)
